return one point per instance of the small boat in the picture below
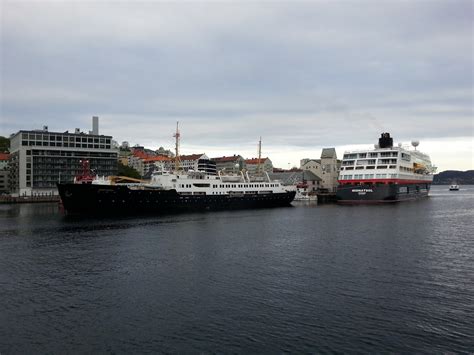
(454, 187)
(304, 196)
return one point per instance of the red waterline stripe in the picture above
(385, 181)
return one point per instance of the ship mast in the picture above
(259, 166)
(177, 160)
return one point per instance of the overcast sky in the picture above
(303, 75)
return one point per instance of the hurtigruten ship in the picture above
(171, 192)
(384, 174)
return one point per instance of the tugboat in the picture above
(384, 174)
(171, 192)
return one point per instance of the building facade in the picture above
(327, 169)
(265, 165)
(198, 162)
(233, 164)
(4, 172)
(40, 159)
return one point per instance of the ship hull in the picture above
(381, 193)
(90, 199)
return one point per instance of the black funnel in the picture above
(385, 141)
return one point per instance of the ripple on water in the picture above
(313, 278)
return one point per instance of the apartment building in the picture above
(253, 164)
(232, 164)
(40, 158)
(327, 168)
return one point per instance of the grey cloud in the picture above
(296, 72)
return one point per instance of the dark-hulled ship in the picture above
(172, 191)
(384, 174)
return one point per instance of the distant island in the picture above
(449, 177)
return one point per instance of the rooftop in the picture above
(255, 160)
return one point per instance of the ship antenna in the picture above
(177, 159)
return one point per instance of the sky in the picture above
(303, 75)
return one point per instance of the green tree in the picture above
(4, 144)
(124, 170)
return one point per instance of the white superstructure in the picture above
(386, 164)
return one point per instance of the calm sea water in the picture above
(309, 278)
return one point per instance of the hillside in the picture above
(449, 177)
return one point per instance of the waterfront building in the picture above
(311, 182)
(198, 162)
(40, 158)
(327, 168)
(4, 172)
(144, 160)
(4, 157)
(136, 160)
(265, 165)
(233, 164)
(156, 163)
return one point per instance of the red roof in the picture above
(224, 159)
(158, 158)
(255, 161)
(4, 156)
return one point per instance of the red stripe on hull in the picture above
(384, 181)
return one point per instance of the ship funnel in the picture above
(385, 141)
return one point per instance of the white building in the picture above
(265, 165)
(40, 159)
(327, 168)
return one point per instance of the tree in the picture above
(4, 144)
(124, 170)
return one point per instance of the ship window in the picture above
(382, 167)
(370, 167)
(362, 155)
(373, 155)
(359, 168)
(369, 176)
(350, 168)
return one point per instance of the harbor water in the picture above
(308, 278)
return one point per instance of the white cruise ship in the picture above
(384, 174)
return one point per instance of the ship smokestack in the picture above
(385, 141)
(95, 125)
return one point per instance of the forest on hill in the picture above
(449, 177)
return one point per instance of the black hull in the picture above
(380, 193)
(89, 199)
